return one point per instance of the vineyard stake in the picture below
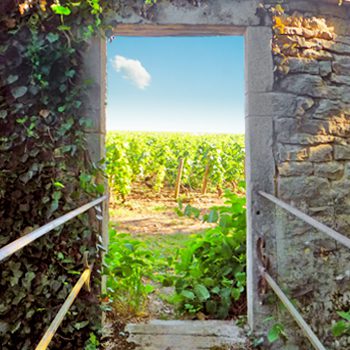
(205, 179)
(178, 179)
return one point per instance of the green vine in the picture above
(45, 168)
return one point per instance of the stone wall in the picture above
(297, 142)
(311, 48)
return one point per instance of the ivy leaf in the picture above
(80, 325)
(3, 114)
(19, 91)
(52, 37)
(11, 79)
(61, 10)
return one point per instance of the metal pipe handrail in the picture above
(308, 219)
(293, 311)
(21, 242)
(49, 334)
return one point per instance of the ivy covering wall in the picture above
(45, 169)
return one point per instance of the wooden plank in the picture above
(176, 30)
(46, 339)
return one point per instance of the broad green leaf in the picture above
(61, 10)
(188, 294)
(201, 292)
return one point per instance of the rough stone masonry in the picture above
(297, 142)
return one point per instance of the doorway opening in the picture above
(175, 161)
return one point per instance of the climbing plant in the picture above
(45, 169)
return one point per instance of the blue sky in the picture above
(176, 84)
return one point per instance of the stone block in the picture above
(96, 146)
(288, 126)
(341, 189)
(342, 152)
(270, 104)
(258, 59)
(321, 153)
(327, 108)
(302, 65)
(295, 169)
(302, 187)
(311, 85)
(304, 139)
(292, 153)
(347, 170)
(95, 70)
(330, 170)
(340, 79)
(341, 65)
(303, 105)
(325, 68)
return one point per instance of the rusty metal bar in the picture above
(293, 311)
(46, 339)
(19, 243)
(308, 219)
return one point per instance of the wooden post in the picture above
(178, 179)
(205, 179)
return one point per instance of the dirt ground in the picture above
(145, 212)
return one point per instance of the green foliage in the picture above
(276, 332)
(130, 262)
(45, 170)
(207, 269)
(211, 271)
(153, 159)
(342, 327)
(92, 343)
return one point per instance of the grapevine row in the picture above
(151, 159)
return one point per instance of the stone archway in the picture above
(285, 154)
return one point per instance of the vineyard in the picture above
(152, 160)
(205, 268)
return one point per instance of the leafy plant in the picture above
(129, 265)
(276, 332)
(152, 159)
(342, 326)
(211, 272)
(92, 343)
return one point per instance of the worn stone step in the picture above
(189, 335)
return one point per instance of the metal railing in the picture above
(316, 343)
(84, 279)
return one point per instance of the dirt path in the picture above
(151, 216)
(147, 213)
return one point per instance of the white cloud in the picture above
(132, 70)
